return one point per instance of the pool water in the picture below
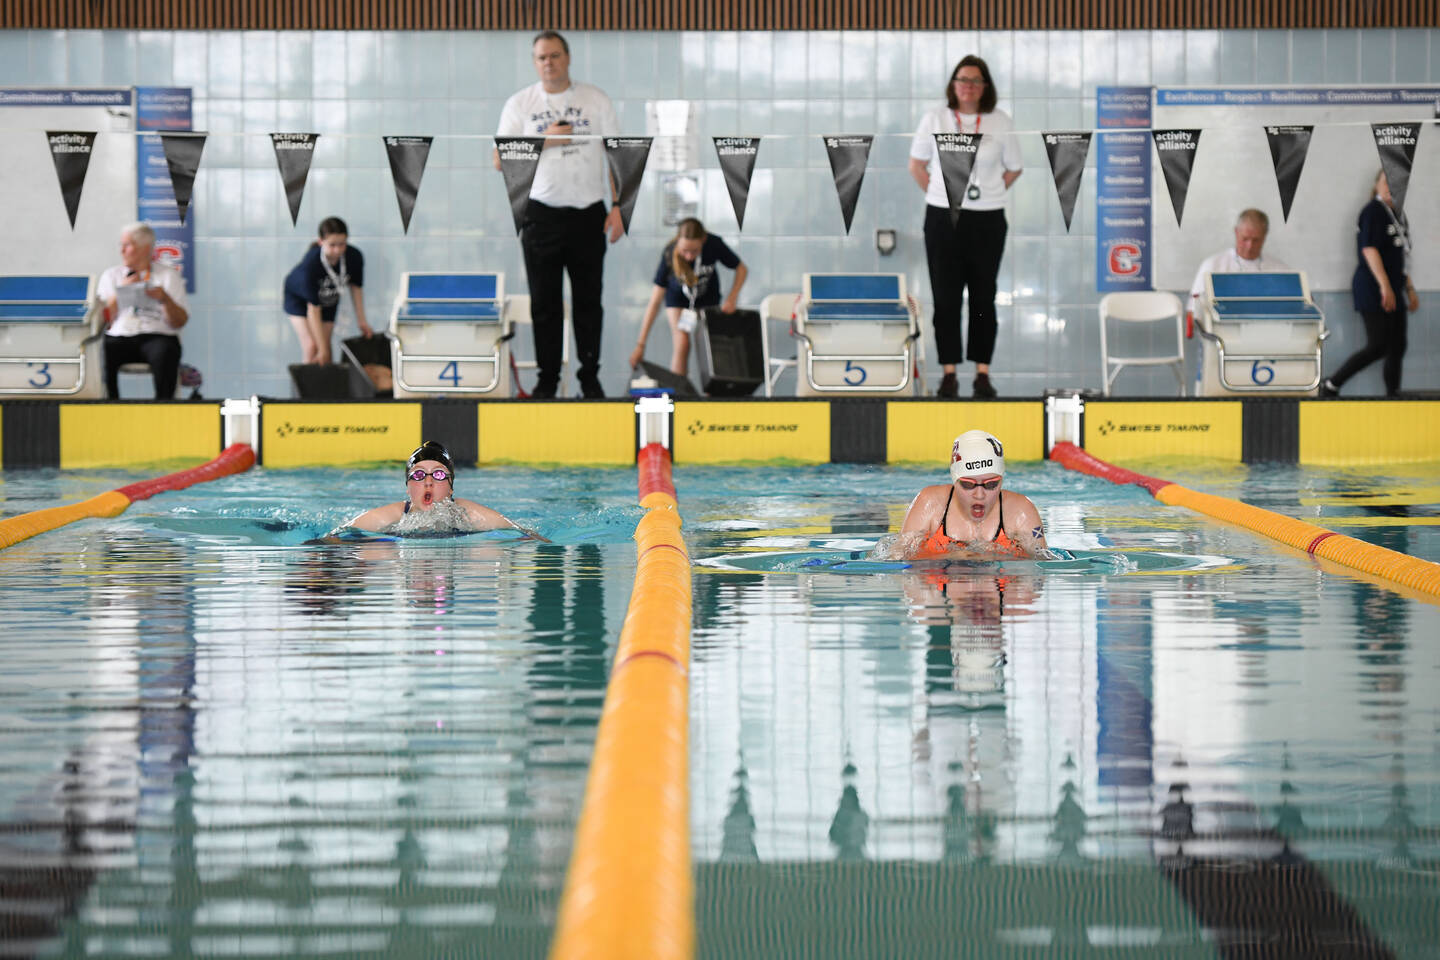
(219, 739)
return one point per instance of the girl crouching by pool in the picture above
(687, 282)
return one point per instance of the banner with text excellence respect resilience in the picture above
(164, 109)
(1122, 195)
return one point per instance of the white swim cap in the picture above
(975, 454)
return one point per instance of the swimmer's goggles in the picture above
(971, 484)
(439, 475)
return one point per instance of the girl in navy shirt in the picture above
(688, 282)
(314, 287)
(1382, 289)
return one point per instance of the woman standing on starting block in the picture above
(687, 282)
(314, 287)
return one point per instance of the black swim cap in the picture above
(432, 450)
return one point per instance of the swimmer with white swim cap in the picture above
(429, 482)
(974, 510)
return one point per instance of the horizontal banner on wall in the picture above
(1293, 96)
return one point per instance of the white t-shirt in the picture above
(1228, 261)
(999, 151)
(573, 175)
(148, 316)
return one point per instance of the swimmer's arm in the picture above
(924, 512)
(1025, 528)
(486, 519)
(379, 518)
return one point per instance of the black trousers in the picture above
(160, 350)
(1384, 337)
(557, 240)
(965, 254)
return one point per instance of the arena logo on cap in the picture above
(978, 464)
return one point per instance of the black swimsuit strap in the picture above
(946, 513)
(1000, 529)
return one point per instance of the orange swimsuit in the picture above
(939, 542)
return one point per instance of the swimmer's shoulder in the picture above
(380, 517)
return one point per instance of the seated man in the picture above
(973, 511)
(1251, 228)
(430, 486)
(144, 305)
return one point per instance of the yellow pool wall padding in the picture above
(1356, 433)
(1422, 576)
(629, 891)
(27, 525)
(130, 434)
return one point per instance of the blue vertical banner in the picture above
(162, 109)
(1122, 198)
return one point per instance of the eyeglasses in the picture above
(440, 474)
(969, 81)
(972, 484)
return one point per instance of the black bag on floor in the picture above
(320, 381)
(729, 352)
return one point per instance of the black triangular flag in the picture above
(293, 153)
(71, 152)
(1067, 152)
(627, 157)
(737, 162)
(407, 168)
(182, 156)
(1177, 150)
(519, 156)
(957, 160)
(848, 156)
(1288, 146)
(1396, 143)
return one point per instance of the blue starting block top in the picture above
(1257, 286)
(1261, 296)
(459, 297)
(1266, 310)
(460, 310)
(44, 299)
(453, 286)
(857, 311)
(831, 286)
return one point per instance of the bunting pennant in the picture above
(71, 152)
(737, 163)
(848, 156)
(1288, 146)
(627, 156)
(407, 167)
(1396, 143)
(293, 153)
(957, 153)
(182, 156)
(1067, 152)
(1177, 150)
(519, 158)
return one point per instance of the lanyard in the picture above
(972, 191)
(959, 127)
(338, 277)
(1402, 231)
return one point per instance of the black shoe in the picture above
(544, 390)
(983, 390)
(1328, 389)
(948, 388)
(591, 390)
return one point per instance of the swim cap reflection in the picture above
(432, 450)
(976, 453)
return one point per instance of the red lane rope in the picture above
(236, 458)
(1071, 456)
(653, 465)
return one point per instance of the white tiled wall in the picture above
(353, 87)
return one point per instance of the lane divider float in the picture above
(629, 891)
(1422, 576)
(236, 458)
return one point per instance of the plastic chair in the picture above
(1142, 306)
(781, 307)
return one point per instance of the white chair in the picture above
(858, 334)
(517, 313)
(50, 329)
(450, 334)
(777, 307)
(1143, 307)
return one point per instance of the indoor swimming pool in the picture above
(220, 738)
